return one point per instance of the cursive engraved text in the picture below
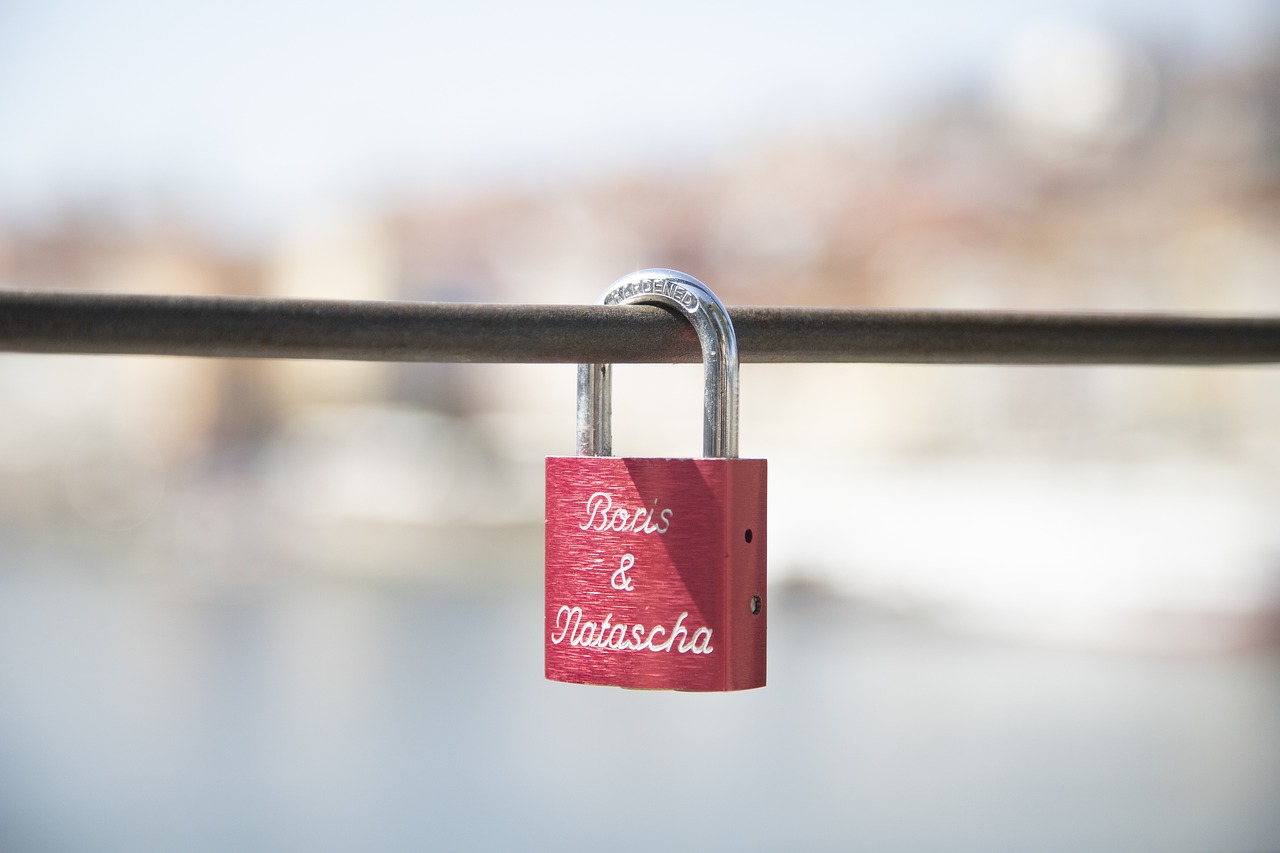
(602, 516)
(606, 634)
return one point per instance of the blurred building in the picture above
(1092, 173)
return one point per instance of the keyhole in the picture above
(748, 537)
(755, 603)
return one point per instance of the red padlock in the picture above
(655, 568)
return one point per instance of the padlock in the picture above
(655, 568)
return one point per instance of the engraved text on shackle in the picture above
(663, 286)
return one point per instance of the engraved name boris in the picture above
(604, 514)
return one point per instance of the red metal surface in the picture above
(651, 572)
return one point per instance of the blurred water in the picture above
(317, 713)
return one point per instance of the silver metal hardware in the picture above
(696, 303)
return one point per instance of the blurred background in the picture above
(288, 605)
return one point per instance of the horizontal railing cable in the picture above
(243, 327)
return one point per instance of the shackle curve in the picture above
(696, 303)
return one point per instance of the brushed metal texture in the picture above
(652, 580)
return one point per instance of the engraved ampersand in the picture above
(620, 579)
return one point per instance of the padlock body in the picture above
(655, 572)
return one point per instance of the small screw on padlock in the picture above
(655, 568)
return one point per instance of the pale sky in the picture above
(256, 110)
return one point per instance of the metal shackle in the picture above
(696, 303)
